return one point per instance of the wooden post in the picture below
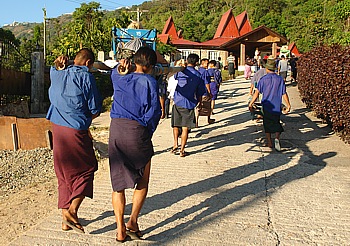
(274, 50)
(14, 136)
(242, 55)
(48, 135)
(37, 94)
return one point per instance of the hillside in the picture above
(25, 30)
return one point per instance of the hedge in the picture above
(324, 85)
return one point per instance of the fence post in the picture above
(37, 94)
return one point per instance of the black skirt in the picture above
(130, 149)
(272, 122)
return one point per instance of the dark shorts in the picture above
(272, 122)
(182, 117)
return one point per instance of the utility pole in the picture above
(139, 13)
(44, 9)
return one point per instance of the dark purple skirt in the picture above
(130, 149)
(75, 163)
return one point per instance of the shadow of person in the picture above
(238, 187)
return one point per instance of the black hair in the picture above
(84, 55)
(145, 56)
(213, 62)
(192, 59)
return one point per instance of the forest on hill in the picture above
(308, 23)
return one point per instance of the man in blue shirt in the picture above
(206, 104)
(75, 101)
(273, 88)
(188, 95)
(215, 81)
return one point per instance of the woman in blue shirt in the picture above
(135, 115)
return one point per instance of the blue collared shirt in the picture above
(74, 97)
(189, 88)
(136, 97)
(215, 79)
(272, 87)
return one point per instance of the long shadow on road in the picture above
(216, 206)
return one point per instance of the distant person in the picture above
(231, 61)
(293, 69)
(75, 102)
(203, 67)
(206, 102)
(135, 115)
(255, 79)
(248, 68)
(273, 90)
(282, 68)
(257, 58)
(218, 64)
(172, 83)
(162, 85)
(215, 82)
(188, 95)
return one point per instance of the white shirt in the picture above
(172, 83)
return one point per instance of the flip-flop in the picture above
(174, 150)
(74, 226)
(134, 234)
(127, 238)
(183, 153)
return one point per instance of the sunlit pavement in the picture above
(230, 190)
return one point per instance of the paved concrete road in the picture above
(229, 190)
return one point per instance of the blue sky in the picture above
(31, 10)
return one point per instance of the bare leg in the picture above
(184, 137)
(196, 111)
(212, 106)
(162, 105)
(269, 141)
(278, 135)
(176, 137)
(138, 199)
(118, 202)
(71, 214)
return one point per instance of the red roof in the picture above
(170, 28)
(243, 23)
(164, 38)
(227, 27)
(169, 34)
(182, 41)
(216, 41)
(293, 49)
(230, 31)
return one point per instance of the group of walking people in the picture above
(135, 114)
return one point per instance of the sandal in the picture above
(183, 153)
(174, 150)
(75, 226)
(134, 234)
(127, 238)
